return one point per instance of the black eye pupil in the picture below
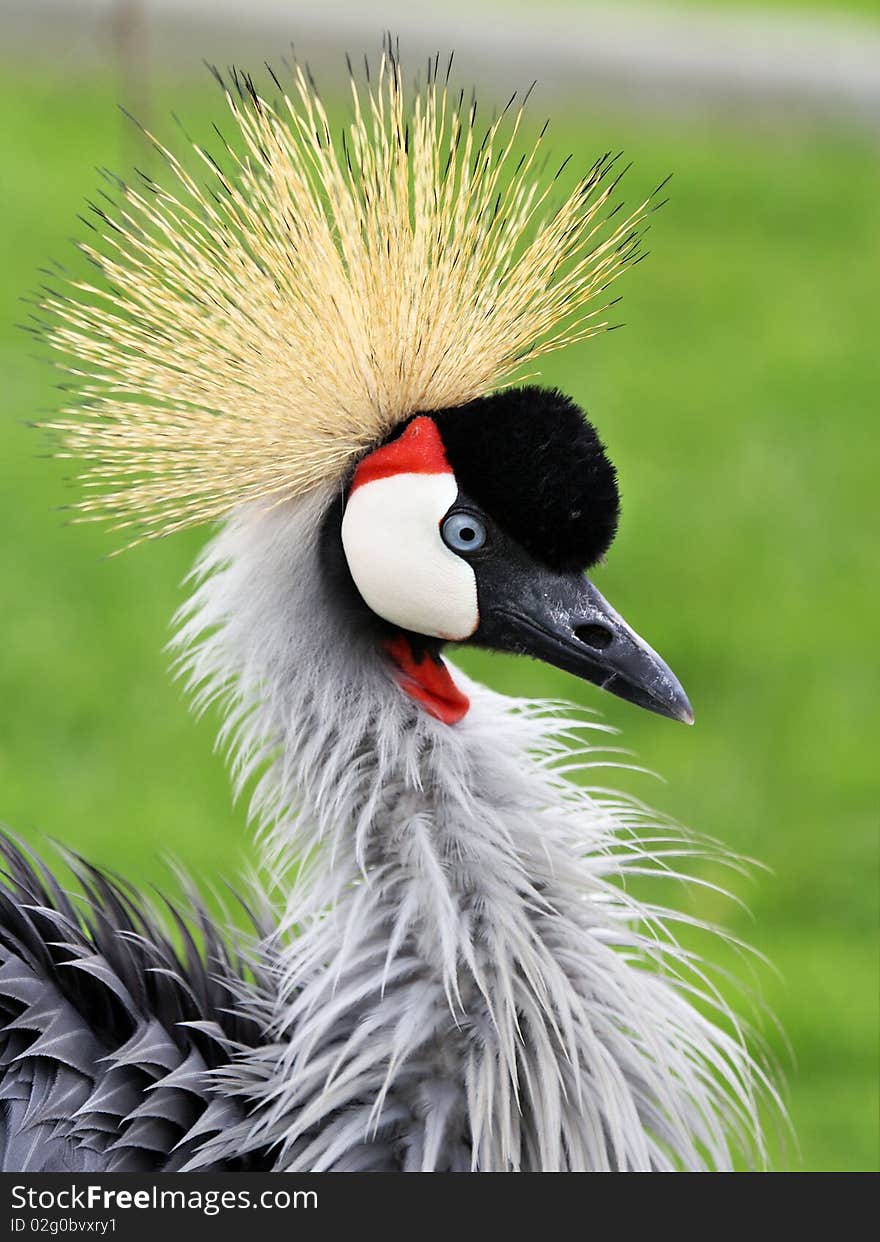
(467, 533)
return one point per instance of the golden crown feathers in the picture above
(247, 337)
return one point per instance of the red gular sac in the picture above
(428, 681)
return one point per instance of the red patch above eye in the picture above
(419, 450)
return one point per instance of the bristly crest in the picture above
(251, 335)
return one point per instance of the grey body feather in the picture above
(109, 1032)
(456, 978)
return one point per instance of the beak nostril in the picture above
(597, 636)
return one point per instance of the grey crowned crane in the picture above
(315, 341)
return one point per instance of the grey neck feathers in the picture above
(461, 981)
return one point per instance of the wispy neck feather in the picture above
(461, 981)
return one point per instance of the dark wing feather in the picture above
(108, 1030)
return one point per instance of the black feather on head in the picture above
(533, 461)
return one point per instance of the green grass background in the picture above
(740, 406)
(778, 8)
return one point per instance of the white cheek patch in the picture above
(400, 564)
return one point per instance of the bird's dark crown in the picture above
(532, 460)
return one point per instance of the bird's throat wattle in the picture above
(427, 680)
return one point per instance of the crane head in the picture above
(476, 525)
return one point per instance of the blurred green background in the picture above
(739, 404)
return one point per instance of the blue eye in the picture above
(463, 532)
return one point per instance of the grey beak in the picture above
(562, 619)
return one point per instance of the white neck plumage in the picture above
(460, 980)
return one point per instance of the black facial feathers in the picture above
(530, 458)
